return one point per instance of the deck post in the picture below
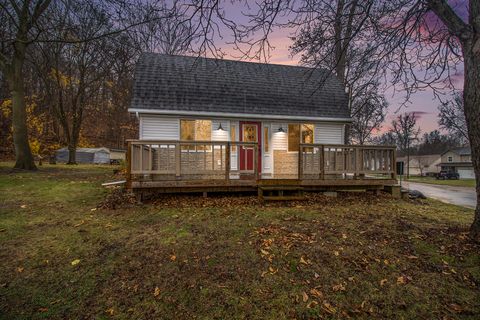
(177, 159)
(227, 162)
(322, 162)
(129, 166)
(300, 162)
(357, 163)
(393, 166)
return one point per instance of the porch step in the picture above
(284, 198)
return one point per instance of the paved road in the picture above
(461, 196)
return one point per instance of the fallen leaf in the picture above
(303, 261)
(93, 209)
(344, 236)
(79, 224)
(20, 269)
(304, 296)
(23, 206)
(329, 308)
(173, 257)
(316, 275)
(455, 307)
(75, 262)
(316, 293)
(110, 311)
(312, 304)
(351, 278)
(401, 280)
(339, 287)
(264, 252)
(156, 293)
(412, 257)
(42, 309)
(383, 282)
(336, 253)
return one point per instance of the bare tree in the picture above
(370, 114)
(410, 34)
(28, 22)
(405, 130)
(17, 32)
(452, 117)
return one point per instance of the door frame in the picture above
(259, 141)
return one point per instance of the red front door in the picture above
(250, 131)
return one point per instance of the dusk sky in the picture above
(424, 103)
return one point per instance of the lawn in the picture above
(184, 257)
(455, 183)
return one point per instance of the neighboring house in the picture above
(85, 155)
(256, 118)
(422, 165)
(458, 160)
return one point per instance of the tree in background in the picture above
(436, 143)
(452, 117)
(336, 36)
(404, 129)
(17, 32)
(370, 114)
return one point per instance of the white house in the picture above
(277, 106)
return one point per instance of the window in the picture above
(265, 139)
(293, 137)
(233, 136)
(299, 134)
(450, 159)
(307, 133)
(196, 130)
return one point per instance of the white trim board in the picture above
(238, 115)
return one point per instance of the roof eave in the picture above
(237, 115)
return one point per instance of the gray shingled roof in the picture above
(461, 151)
(181, 83)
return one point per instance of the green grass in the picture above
(358, 256)
(455, 183)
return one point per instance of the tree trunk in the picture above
(471, 97)
(23, 154)
(72, 159)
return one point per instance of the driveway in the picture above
(461, 196)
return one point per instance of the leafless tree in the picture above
(405, 130)
(75, 73)
(421, 42)
(452, 117)
(370, 110)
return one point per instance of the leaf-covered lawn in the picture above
(184, 257)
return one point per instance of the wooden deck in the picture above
(214, 166)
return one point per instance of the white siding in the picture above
(161, 128)
(218, 135)
(329, 133)
(279, 139)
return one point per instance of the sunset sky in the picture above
(424, 103)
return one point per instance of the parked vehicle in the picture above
(444, 175)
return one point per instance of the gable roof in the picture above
(185, 85)
(461, 151)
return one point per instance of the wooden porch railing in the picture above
(321, 161)
(216, 160)
(191, 160)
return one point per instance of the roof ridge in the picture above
(239, 61)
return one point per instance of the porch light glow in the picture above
(220, 127)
